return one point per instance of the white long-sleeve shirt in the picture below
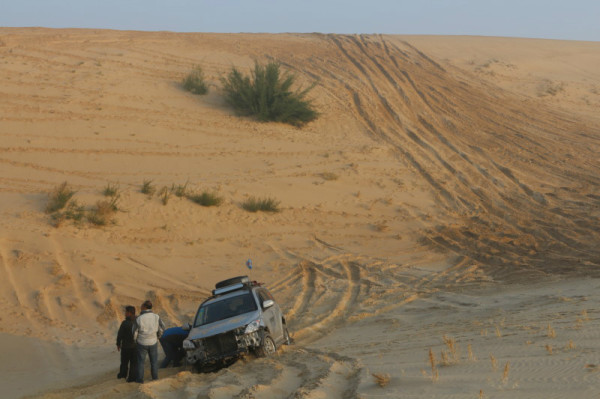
(148, 326)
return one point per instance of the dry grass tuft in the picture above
(180, 190)
(452, 348)
(381, 379)
(432, 362)
(570, 345)
(470, 353)
(165, 195)
(148, 188)
(59, 197)
(498, 333)
(551, 333)
(102, 213)
(505, 373)
(329, 176)
(206, 199)
(549, 348)
(111, 190)
(254, 204)
(494, 362)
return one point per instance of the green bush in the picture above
(148, 188)
(266, 95)
(194, 82)
(59, 197)
(206, 199)
(254, 204)
(111, 190)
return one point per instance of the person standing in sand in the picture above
(126, 345)
(148, 328)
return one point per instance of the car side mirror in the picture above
(268, 303)
(186, 327)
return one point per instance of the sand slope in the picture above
(425, 187)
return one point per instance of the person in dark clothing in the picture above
(127, 346)
(172, 344)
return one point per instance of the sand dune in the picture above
(449, 189)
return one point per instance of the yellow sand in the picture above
(449, 188)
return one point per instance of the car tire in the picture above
(267, 347)
(231, 281)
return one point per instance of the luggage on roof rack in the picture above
(231, 281)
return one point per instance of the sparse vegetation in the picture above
(59, 197)
(102, 213)
(148, 188)
(267, 95)
(434, 371)
(73, 211)
(254, 204)
(206, 199)
(111, 190)
(180, 190)
(381, 379)
(165, 195)
(329, 176)
(194, 82)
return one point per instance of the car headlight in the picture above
(187, 344)
(252, 327)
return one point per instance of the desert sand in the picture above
(445, 206)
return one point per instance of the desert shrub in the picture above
(266, 94)
(254, 204)
(180, 190)
(72, 211)
(147, 187)
(111, 190)
(59, 197)
(206, 199)
(102, 213)
(194, 82)
(164, 195)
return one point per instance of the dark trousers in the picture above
(152, 351)
(173, 352)
(128, 363)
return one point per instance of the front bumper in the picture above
(222, 346)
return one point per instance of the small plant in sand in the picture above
(194, 82)
(329, 176)
(494, 362)
(101, 214)
(148, 188)
(254, 204)
(551, 333)
(73, 211)
(59, 197)
(434, 371)
(470, 354)
(165, 195)
(111, 190)
(206, 198)
(381, 379)
(266, 94)
(180, 190)
(549, 349)
(505, 372)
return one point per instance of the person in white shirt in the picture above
(148, 328)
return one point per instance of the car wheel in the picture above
(267, 348)
(286, 336)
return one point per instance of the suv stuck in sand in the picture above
(240, 317)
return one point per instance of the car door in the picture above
(271, 315)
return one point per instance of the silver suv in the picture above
(240, 317)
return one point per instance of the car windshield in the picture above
(225, 309)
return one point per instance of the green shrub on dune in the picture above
(266, 94)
